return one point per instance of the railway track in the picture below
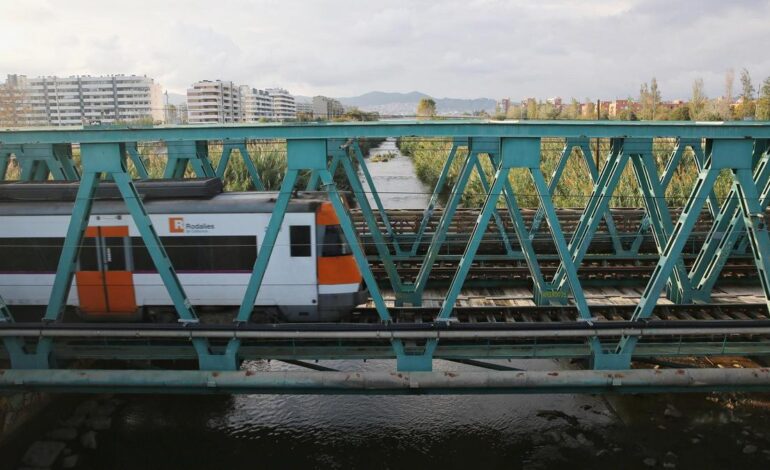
(405, 223)
(513, 272)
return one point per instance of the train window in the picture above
(299, 236)
(40, 254)
(334, 242)
(89, 260)
(204, 253)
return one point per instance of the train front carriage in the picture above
(212, 243)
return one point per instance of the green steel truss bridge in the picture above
(684, 250)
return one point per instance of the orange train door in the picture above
(104, 277)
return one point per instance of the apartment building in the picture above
(222, 102)
(256, 104)
(213, 102)
(83, 99)
(304, 108)
(284, 105)
(326, 108)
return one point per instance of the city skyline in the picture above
(591, 49)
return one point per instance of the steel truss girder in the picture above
(525, 154)
(195, 153)
(490, 147)
(583, 145)
(672, 165)
(107, 160)
(427, 214)
(727, 228)
(228, 147)
(131, 151)
(639, 151)
(735, 155)
(558, 129)
(38, 162)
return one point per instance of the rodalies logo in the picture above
(178, 225)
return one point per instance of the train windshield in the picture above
(334, 242)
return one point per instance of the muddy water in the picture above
(387, 432)
(393, 176)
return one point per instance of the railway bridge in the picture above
(609, 287)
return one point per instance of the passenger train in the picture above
(212, 243)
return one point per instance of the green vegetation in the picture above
(426, 108)
(382, 157)
(649, 105)
(575, 186)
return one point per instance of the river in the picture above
(386, 432)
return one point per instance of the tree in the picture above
(531, 108)
(746, 108)
(13, 107)
(725, 104)
(680, 113)
(644, 100)
(426, 108)
(763, 103)
(654, 98)
(572, 111)
(698, 100)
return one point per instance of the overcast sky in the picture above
(463, 48)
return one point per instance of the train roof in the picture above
(50, 199)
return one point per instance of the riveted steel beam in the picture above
(193, 153)
(539, 129)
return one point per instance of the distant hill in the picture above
(406, 103)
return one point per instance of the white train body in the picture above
(212, 244)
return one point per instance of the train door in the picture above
(104, 275)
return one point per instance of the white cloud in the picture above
(596, 48)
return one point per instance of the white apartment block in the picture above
(304, 108)
(284, 105)
(213, 102)
(326, 108)
(78, 100)
(256, 104)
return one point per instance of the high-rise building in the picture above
(83, 99)
(256, 104)
(213, 102)
(284, 105)
(326, 108)
(304, 108)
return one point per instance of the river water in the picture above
(387, 432)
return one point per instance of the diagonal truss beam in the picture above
(735, 155)
(184, 153)
(584, 148)
(728, 228)
(228, 147)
